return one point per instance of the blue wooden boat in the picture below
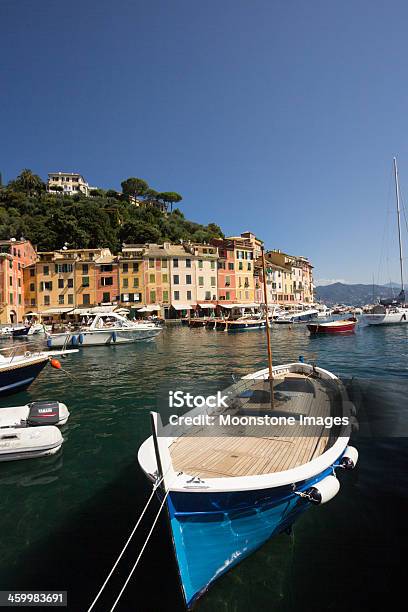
(229, 488)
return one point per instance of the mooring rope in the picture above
(141, 552)
(156, 484)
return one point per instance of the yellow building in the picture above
(60, 281)
(131, 277)
(245, 247)
(156, 261)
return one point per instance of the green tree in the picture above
(28, 182)
(169, 197)
(139, 232)
(135, 187)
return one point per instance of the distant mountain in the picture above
(355, 295)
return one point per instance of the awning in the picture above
(207, 305)
(183, 306)
(149, 308)
(52, 311)
(239, 305)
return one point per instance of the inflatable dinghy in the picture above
(30, 431)
(29, 442)
(34, 414)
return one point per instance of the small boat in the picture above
(240, 325)
(243, 469)
(34, 414)
(299, 316)
(104, 329)
(19, 332)
(391, 311)
(29, 443)
(31, 431)
(17, 371)
(342, 326)
(228, 492)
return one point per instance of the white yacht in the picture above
(391, 311)
(104, 328)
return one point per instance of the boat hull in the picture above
(17, 377)
(213, 532)
(241, 326)
(21, 332)
(389, 318)
(326, 328)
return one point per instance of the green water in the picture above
(65, 518)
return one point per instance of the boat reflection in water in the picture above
(228, 488)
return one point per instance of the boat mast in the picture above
(268, 331)
(397, 193)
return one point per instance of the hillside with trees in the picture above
(103, 219)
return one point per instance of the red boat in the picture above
(344, 326)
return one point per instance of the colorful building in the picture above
(131, 275)
(15, 256)
(107, 279)
(245, 249)
(60, 281)
(157, 282)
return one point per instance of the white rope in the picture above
(141, 552)
(126, 545)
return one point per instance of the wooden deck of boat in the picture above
(217, 452)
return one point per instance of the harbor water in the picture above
(65, 518)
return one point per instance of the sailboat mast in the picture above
(397, 193)
(268, 331)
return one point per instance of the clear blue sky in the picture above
(273, 116)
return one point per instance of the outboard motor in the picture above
(43, 413)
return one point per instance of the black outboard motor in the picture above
(43, 413)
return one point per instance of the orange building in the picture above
(15, 255)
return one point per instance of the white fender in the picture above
(324, 490)
(350, 458)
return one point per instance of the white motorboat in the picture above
(108, 328)
(297, 316)
(323, 311)
(391, 311)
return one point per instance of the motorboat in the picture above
(233, 481)
(297, 316)
(31, 431)
(323, 311)
(105, 328)
(340, 326)
(18, 370)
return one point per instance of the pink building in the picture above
(226, 271)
